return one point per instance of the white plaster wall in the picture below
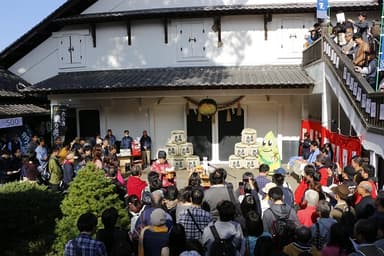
(126, 114)
(242, 37)
(166, 118)
(39, 64)
(125, 5)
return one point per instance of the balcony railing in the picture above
(367, 103)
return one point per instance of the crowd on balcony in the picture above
(358, 40)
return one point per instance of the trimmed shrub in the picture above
(90, 191)
(27, 218)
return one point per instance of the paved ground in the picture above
(234, 176)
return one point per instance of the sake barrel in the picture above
(177, 162)
(248, 136)
(172, 149)
(235, 162)
(250, 162)
(192, 162)
(186, 149)
(178, 136)
(241, 149)
(252, 150)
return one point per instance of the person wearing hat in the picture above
(346, 175)
(265, 202)
(361, 51)
(164, 169)
(342, 194)
(154, 238)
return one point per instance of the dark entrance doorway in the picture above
(89, 122)
(200, 134)
(230, 127)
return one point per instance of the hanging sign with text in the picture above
(322, 9)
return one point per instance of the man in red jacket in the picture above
(135, 185)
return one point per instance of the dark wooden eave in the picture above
(41, 32)
(70, 13)
(210, 11)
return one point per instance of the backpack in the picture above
(221, 247)
(283, 229)
(368, 250)
(318, 240)
(347, 218)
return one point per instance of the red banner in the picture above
(344, 147)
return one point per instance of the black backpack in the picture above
(221, 247)
(283, 230)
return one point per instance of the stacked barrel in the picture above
(245, 152)
(180, 152)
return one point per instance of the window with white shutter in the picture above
(192, 38)
(71, 51)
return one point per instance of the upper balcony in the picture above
(367, 104)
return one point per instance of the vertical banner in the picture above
(381, 59)
(344, 147)
(322, 9)
(59, 128)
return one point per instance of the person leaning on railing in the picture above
(362, 49)
(369, 71)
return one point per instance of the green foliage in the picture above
(27, 218)
(90, 191)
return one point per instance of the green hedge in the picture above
(27, 218)
(89, 191)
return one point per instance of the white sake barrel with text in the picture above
(178, 137)
(248, 136)
(186, 149)
(192, 162)
(241, 149)
(235, 162)
(172, 149)
(250, 162)
(252, 150)
(178, 162)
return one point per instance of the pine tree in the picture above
(90, 191)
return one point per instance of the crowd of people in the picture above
(359, 41)
(333, 211)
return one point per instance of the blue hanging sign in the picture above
(322, 9)
(381, 57)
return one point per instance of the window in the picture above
(192, 38)
(71, 51)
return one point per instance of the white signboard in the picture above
(11, 122)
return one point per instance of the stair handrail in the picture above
(367, 103)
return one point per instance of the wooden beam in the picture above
(217, 28)
(129, 32)
(93, 33)
(165, 21)
(267, 18)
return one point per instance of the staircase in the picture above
(362, 105)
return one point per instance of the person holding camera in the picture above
(249, 187)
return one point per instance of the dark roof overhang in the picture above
(178, 78)
(208, 11)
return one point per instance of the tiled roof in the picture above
(6, 93)
(206, 11)
(8, 83)
(178, 78)
(21, 109)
